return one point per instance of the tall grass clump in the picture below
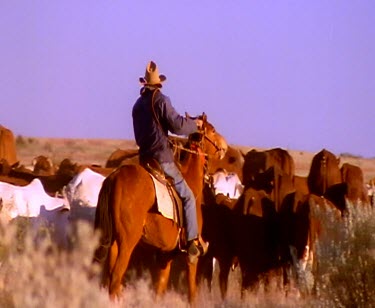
(345, 275)
(39, 274)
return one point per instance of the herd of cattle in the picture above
(276, 222)
(269, 226)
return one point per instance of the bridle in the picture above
(198, 144)
(218, 149)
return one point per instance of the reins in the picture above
(177, 146)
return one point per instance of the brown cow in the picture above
(233, 161)
(217, 230)
(353, 176)
(259, 161)
(303, 220)
(21, 176)
(255, 230)
(275, 183)
(119, 156)
(43, 165)
(7, 145)
(324, 172)
(68, 168)
(5, 167)
(324, 179)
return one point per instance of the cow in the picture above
(82, 193)
(28, 200)
(275, 182)
(232, 162)
(67, 167)
(255, 237)
(53, 184)
(356, 190)
(84, 187)
(7, 145)
(220, 196)
(324, 172)
(226, 183)
(303, 221)
(5, 167)
(259, 161)
(324, 179)
(33, 204)
(119, 157)
(43, 165)
(218, 231)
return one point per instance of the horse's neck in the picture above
(192, 168)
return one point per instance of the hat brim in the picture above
(143, 81)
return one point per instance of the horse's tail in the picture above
(103, 220)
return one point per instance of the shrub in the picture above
(345, 276)
(38, 274)
(34, 272)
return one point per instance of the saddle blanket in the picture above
(164, 200)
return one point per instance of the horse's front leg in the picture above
(192, 280)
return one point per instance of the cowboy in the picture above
(153, 116)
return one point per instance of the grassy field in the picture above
(40, 275)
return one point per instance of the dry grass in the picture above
(37, 274)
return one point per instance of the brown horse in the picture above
(125, 213)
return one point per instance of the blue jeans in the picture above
(187, 197)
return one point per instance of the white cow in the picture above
(227, 183)
(84, 188)
(32, 202)
(27, 201)
(82, 193)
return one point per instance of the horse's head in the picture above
(212, 143)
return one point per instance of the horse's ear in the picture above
(204, 117)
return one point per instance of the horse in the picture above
(125, 214)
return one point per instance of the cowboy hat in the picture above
(152, 76)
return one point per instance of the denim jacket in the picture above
(151, 127)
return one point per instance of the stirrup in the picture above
(202, 245)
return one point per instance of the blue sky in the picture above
(294, 74)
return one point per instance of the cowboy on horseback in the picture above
(153, 117)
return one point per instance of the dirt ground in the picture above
(97, 151)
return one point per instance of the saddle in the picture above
(153, 167)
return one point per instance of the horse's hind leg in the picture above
(113, 253)
(163, 275)
(109, 264)
(119, 266)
